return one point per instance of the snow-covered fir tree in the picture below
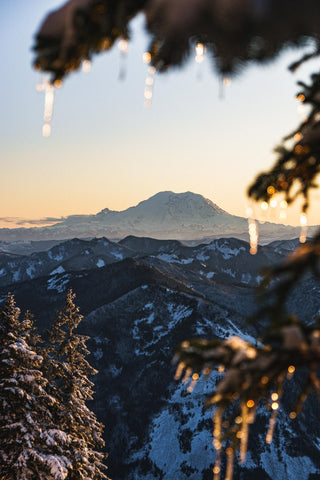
(68, 371)
(32, 447)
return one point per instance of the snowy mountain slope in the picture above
(182, 216)
(137, 309)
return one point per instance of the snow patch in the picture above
(231, 329)
(210, 274)
(100, 263)
(16, 276)
(98, 353)
(58, 283)
(226, 251)
(288, 467)
(228, 272)
(57, 270)
(30, 271)
(172, 258)
(117, 255)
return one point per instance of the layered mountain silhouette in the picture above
(183, 216)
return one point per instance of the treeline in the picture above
(47, 432)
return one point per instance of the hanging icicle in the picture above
(272, 423)
(253, 230)
(230, 463)
(291, 370)
(148, 89)
(86, 66)
(301, 107)
(187, 375)
(193, 383)
(283, 210)
(217, 467)
(217, 435)
(253, 235)
(200, 50)
(224, 82)
(217, 428)
(124, 48)
(48, 88)
(181, 366)
(304, 227)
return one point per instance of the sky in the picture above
(108, 150)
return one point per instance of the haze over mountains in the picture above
(182, 216)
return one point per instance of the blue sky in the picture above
(107, 150)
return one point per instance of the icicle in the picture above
(179, 371)
(148, 89)
(146, 57)
(200, 50)
(217, 434)
(291, 370)
(217, 428)
(283, 210)
(187, 375)
(301, 107)
(217, 467)
(230, 462)
(253, 230)
(124, 48)
(86, 66)
(224, 82)
(273, 203)
(253, 235)
(194, 380)
(244, 433)
(272, 423)
(298, 136)
(251, 415)
(48, 106)
(41, 85)
(304, 227)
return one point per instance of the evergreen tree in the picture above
(68, 371)
(31, 446)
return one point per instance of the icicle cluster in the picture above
(250, 374)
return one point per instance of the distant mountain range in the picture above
(166, 215)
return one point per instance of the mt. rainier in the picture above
(183, 216)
